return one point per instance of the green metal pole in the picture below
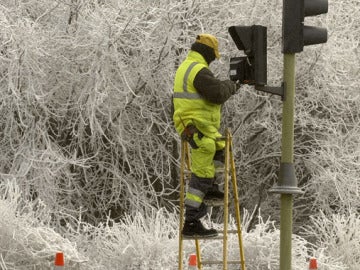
(287, 156)
(287, 141)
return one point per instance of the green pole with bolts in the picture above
(287, 154)
(295, 35)
(287, 184)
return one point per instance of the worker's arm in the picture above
(213, 89)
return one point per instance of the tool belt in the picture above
(188, 135)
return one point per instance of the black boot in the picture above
(195, 229)
(214, 194)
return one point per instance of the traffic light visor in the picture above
(242, 36)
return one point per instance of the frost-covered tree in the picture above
(86, 102)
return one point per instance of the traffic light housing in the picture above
(251, 69)
(296, 35)
(241, 70)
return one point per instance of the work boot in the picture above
(214, 194)
(195, 229)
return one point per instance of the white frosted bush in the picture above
(27, 240)
(338, 236)
(138, 242)
(86, 128)
(86, 99)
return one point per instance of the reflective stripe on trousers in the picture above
(194, 197)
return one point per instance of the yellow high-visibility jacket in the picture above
(189, 106)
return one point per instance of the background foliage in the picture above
(87, 133)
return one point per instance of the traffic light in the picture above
(251, 69)
(241, 70)
(296, 35)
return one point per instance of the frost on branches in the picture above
(86, 103)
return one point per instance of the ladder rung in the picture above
(220, 262)
(202, 237)
(214, 202)
(217, 170)
(229, 231)
(220, 236)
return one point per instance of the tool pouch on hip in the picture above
(188, 135)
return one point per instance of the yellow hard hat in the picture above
(211, 41)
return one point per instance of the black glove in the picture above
(231, 87)
(236, 87)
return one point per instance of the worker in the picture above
(197, 101)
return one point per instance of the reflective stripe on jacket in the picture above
(189, 106)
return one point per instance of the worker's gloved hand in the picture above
(231, 86)
(236, 87)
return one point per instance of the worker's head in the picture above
(208, 46)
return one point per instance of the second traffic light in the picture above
(251, 69)
(296, 35)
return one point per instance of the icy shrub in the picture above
(150, 241)
(140, 241)
(26, 239)
(338, 236)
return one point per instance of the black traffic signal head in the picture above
(253, 41)
(241, 70)
(243, 38)
(295, 34)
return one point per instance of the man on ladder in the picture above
(197, 99)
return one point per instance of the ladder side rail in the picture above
(188, 171)
(198, 254)
(237, 206)
(185, 168)
(182, 192)
(226, 200)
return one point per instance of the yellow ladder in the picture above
(229, 169)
